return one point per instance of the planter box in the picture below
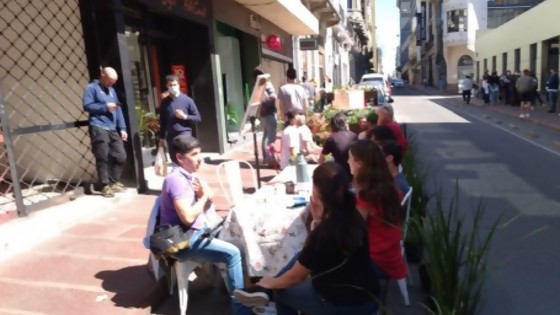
(348, 99)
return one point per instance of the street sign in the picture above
(309, 43)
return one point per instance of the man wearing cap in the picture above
(107, 130)
(386, 115)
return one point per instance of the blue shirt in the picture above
(171, 126)
(95, 101)
(401, 183)
(177, 185)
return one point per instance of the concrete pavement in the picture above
(86, 256)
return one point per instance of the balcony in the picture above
(455, 39)
(290, 15)
(328, 11)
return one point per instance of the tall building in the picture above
(501, 11)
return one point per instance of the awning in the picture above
(290, 15)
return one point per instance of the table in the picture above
(268, 231)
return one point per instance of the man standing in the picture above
(525, 87)
(107, 130)
(552, 90)
(292, 96)
(268, 119)
(467, 87)
(177, 114)
(310, 89)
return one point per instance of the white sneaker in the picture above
(522, 116)
(527, 115)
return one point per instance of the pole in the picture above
(256, 147)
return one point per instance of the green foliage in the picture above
(232, 116)
(417, 175)
(456, 254)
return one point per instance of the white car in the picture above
(368, 77)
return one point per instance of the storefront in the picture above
(145, 40)
(276, 52)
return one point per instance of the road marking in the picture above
(512, 133)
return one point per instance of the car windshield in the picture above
(372, 79)
(377, 85)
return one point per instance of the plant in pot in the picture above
(148, 125)
(232, 117)
(354, 117)
(456, 251)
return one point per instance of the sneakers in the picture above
(253, 296)
(524, 116)
(107, 191)
(118, 187)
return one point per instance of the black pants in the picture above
(467, 96)
(110, 156)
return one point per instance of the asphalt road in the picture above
(514, 166)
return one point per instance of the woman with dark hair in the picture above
(332, 274)
(378, 201)
(380, 133)
(339, 141)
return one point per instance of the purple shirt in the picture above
(177, 185)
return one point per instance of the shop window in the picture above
(504, 62)
(457, 21)
(533, 57)
(494, 63)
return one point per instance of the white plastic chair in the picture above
(234, 180)
(181, 270)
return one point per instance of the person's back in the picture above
(293, 97)
(467, 84)
(525, 84)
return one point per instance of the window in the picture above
(504, 62)
(485, 64)
(517, 61)
(457, 21)
(533, 57)
(493, 63)
(477, 70)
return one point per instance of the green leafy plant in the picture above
(148, 125)
(232, 116)
(456, 254)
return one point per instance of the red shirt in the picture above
(397, 131)
(384, 242)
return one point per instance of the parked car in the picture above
(382, 97)
(377, 77)
(397, 83)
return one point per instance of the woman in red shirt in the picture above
(379, 202)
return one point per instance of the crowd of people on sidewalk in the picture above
(514, 89)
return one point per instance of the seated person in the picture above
(378, 200)
(339, 141)
(370, 123)
(393, 156)
(184, 201)
(290, 144)
(308, 147)
(386, 117)
(380, 133)
(332, 274)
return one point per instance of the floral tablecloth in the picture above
(269, 231)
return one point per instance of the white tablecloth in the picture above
(269, 232)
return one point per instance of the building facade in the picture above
(501, 11)
(535, 48)
(360, 28)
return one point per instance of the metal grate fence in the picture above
(45, 153)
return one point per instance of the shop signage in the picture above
(309, 43)
(274, 42)
(180, 72)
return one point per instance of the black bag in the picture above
(168, 240)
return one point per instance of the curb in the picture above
(477, 103)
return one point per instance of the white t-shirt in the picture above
(304, 136)
(290, 139)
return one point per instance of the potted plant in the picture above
(456, 251)
(232, 118)
(148, 125)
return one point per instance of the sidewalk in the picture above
(91, 263)
(539, 115)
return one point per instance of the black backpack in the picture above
(168, 240)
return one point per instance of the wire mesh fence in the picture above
(45, 152)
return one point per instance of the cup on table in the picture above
(290, 188)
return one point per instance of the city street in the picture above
(513, 165)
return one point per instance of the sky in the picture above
(388, 28)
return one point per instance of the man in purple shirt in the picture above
(178, 114)
(184, 200)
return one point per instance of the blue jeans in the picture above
(552, 98)
(303, 297)
(203, 250)
(269, 134)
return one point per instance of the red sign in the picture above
(180, 72)
(274, 42)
